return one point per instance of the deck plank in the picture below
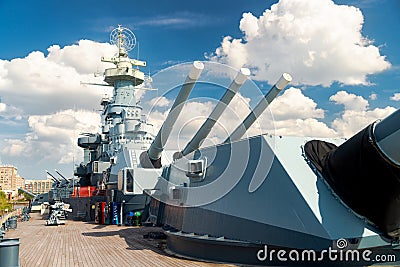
(84, 244)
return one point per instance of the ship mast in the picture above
(125, 41)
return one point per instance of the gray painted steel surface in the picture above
(387, 136)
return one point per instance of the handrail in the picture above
(5, 217)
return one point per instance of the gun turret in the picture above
(365, 172)
(62, 176)
(54, 180)
(52, 177)
(205, 129)
(259, 109)
(26, 191)
(152, 157)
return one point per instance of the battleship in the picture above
(238, 200)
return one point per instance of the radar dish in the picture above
(123, 38)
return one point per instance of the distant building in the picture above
(38, 186)
(10, 181)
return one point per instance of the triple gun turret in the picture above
(152, 157)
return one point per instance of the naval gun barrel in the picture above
(365, 172)
(62, 176)
(52, 176)
(26, 191)
(259, 109)
(152, 157)
(205, 129)
(54, 180)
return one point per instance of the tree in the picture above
(4, 204)
(26, 195)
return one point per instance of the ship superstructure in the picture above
(117, 168)
(124, 130)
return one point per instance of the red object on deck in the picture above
(103, 213)
(83, 191)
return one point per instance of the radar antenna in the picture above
(124, 39)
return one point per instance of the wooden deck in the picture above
(84, 244)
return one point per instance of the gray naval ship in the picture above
(263, 200)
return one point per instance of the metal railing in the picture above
(5, 217)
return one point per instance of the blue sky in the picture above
(171, 32)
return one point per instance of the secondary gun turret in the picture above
(365, 172)
(53, 177)
(152, 157)
(62, 176)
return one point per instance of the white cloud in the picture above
(395, 97)
(181, 20)
(159, 102)
(356, 114)
(294, 104)
(350, 101)
(303, 127)
(4, 81)
(317, 41)
(10, 112)
(53, 137)
(297, 115)
(39, 84)
(373, 96)
(83, 57)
